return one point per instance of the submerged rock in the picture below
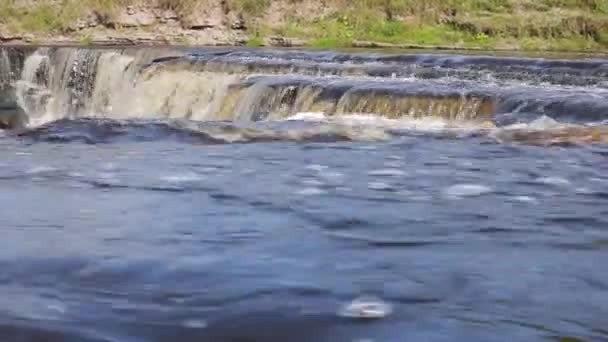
(576, 135)
(12, 119)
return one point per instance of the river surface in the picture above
(263, 195)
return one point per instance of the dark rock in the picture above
(203, 17)
(6, 36)
(12, 118)
(92, 20)
(166, 16)
(201, 22)
(236, 22)
(284, 42)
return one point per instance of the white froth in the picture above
(553, 181)
(40, 169)
(307, 116)
(182, 178)
(106, 175)
(466, 190)
(366, 308)
(57, 307)
(379, 186)
(316, 167)
(425, 124)
(525, 199)
(195, 323)
(310, 192)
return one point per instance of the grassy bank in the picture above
(507, 24)
(515, 24)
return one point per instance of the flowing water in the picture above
(165, 194)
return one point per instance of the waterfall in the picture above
(57, 83)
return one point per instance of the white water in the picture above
(34, 98)
(110, 85)
(68, 83)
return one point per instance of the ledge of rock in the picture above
(167, 16)
(204, 19)
(277, 41)
(14, 119)
(6, 36)
(132, 17)
(89, 21)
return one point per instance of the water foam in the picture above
(466, 190)
(366, 307)
(182, 178)
(423, 124)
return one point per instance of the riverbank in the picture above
(548, 25)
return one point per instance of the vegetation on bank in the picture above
(515, 24)
(510, 24)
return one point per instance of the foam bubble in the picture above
(40, 169)
(466, 190)
(553, 181)
(425, 124)
(366, 308)
(545, 122)
(310, 192)
(307, 116)
(316, 167)
(195, 323)
(525, 199)
(57, 307)
(106, 175)
(380, 186)
(182, 178)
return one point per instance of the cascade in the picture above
(49, 84)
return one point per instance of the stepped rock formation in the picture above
(42, 85)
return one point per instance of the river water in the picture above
(262, 195)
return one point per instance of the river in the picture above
(231, 194)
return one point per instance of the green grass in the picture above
(255, 41)
(250, 7)
(184, 41)
(508, 24)
(517, 24)
(341, 31)
(86, 40)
